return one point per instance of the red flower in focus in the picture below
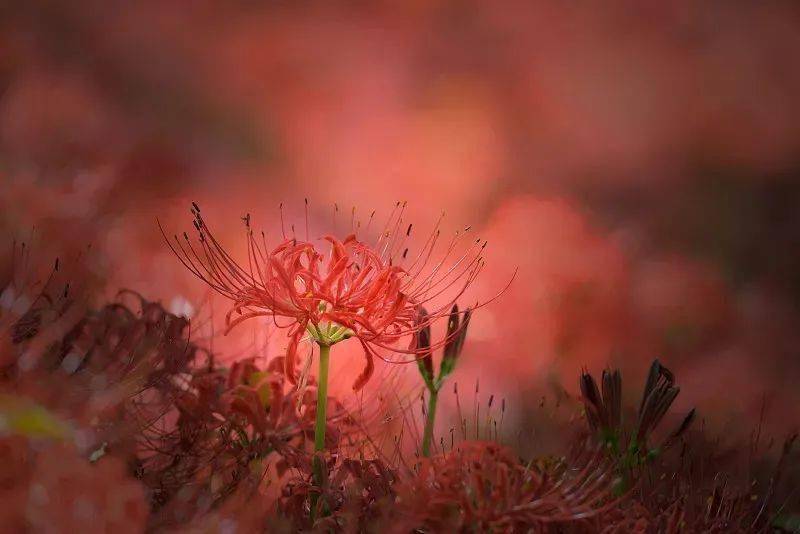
(351, 290)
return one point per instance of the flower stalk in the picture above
(322, 398)
(325, 337)
(429, 421)
(321, 420)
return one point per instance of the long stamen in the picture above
(306, 217)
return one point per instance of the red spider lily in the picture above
(352, 290)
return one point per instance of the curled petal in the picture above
(368, 369)
(241, 318)
(291, 353)
(338, 251)
(334, 274)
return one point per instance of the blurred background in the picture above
(637, 162)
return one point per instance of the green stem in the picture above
(427, 437)
(322, 415)
(322, 398)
